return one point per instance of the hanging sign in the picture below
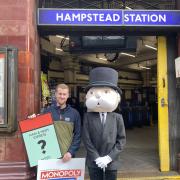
(108, 17)
(79, 17)
(151, 18)
(40, 138)
(56, 169)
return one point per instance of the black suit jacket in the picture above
(101, 141)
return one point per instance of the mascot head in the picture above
(103, 95)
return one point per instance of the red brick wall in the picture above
(18, 28)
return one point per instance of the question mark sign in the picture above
(43, 142)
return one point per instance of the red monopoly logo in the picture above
(60, 173)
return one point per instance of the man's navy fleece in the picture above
(68, 114)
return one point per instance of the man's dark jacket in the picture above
(68, 114)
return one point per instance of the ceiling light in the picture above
(143, 67)
(127, 54)
(128, 8)
(62, 37)
(104, 59)
(59, 36)
(151, 47)
(101, 58)
(67, 38)
(59, 49)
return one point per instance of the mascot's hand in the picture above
(102, 162)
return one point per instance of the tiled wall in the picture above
(18, 28)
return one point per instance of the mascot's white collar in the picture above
(101, 116)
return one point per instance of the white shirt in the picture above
(101, 116)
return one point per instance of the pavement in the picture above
(139, 160)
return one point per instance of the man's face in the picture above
(62, 96)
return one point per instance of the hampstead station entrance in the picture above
(143, 54)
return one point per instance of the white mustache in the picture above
(94, 103)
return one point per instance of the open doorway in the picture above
(137, 69)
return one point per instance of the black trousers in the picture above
(98, 174)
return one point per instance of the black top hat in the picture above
(103, 76)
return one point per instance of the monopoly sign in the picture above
(108, 17)
(56, 169)
(73, 174)
(40, 138)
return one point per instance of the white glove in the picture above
(102, 162)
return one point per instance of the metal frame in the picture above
(5, 87)
(10, 89)
(108, 4)
(163, 109)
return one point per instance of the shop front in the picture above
(21, 29)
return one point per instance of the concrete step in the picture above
(171, 175)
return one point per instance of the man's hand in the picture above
(102, 162)
(67, 157)
(32, 116)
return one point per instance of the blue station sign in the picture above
(151, 18)
(107, 17)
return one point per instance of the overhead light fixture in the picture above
(128, 8)
(143, 67)
(62, 37)
(59, 49)
(151, 47)
(127, 54)
(59, 36)
(104, 59)
(101, 58)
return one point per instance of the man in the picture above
(103, 130)
(67, 122)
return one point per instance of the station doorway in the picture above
(146, 103)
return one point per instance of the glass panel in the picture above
(2, 83)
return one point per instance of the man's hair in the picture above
(62, 86)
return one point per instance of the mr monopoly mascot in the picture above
(103, 130)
